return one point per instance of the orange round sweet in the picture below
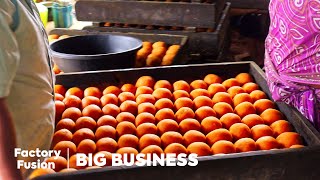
(263, 104)
(250, 86)
(244, 78)
(257, 94)
(267, 143)
(86, 146)
(212, 78)
(222, 97)
(297, 146)
(201, 101)
(209, 124)
(244, 109)
(223, 147)
(183, 113)
(217, 135)
(215, 88)
(64, 147)
(229, 119)
(71, 113)
(86, 101)
(111, 109)
(158, 44)
(183, 102)
(181, 85)
(92, 91)
(240, 130)
(165, 113)
(261, 130)
(107, 120)
(162, 93)
(234, 90)
(59, 162)
(242, 97)
(287, 139)
(109, 99)
(107, 144)
(112, 90)
(128, 88)
(180, 93)
(280, 127)
(146, 128)
(126, 127)
(67, 170)
(40, 172)
(245, 145)
(66, 124)
(166, 125)
(125, 116)
(93, 111)
(143, 90)
(164, 103)
(60, 108)
(147, 107)
(145, 81)
(252, 120)
(152, 149)
(61, 135)
(204, 112)
(198, 84)
(106, 131)
(81, 134)
(143, 98)
(189, 124)
(192, 136)
(60, 89)
(74, 91)
(175, 148)
(199, 92)
(129, 106)
(171, 137)
(106, 155)
(128, 151)
(270, 116)
(144, 118)
(128, 140)
(230, 82)
(199, 148)
(149, 139)
(72, 101)
(222, 108)
(163, 84)
(85, 122)
(124, 96)
(58, 97)
(73, 162)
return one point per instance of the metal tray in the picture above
(151, 12)
(273, 164)
(200, 44)
(180, 58)
(250, 4)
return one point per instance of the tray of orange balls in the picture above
(221, 112)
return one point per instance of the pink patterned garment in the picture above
(292, 57)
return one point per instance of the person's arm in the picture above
(9, 63)
(8, 163)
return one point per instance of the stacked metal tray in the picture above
(272, 164)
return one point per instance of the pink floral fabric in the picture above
(292, 57)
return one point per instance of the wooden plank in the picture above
(148, 13)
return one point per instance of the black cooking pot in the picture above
(95, 52)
